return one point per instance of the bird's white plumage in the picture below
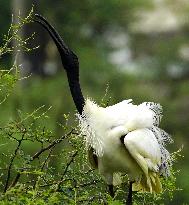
(144, 149)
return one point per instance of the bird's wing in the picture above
(144, 148)
(134, 117)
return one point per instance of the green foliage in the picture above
(13, 35)
(7, 83)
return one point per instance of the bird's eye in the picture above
(122, 139)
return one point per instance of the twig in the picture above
(88, 184)
(42, 167)
(37, 154)
(47, 158)
(11, 163)
(66, 169)
(54, 143)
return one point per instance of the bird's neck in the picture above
(76, 91)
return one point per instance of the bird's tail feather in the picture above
(151, 184)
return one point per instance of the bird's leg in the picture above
(129, 197)
(111, 190)
(109, 180)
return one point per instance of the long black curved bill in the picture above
(69, 60)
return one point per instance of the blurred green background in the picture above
(138, 49)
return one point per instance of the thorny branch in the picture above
(66, 169)
(11, 163)
(46, 160)
(37, 154)
(54, 143)
(13, 34)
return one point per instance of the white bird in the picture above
(126, 138)
(123, 138)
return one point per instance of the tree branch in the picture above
(66, 169)
(37, 154)
(11, 163)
